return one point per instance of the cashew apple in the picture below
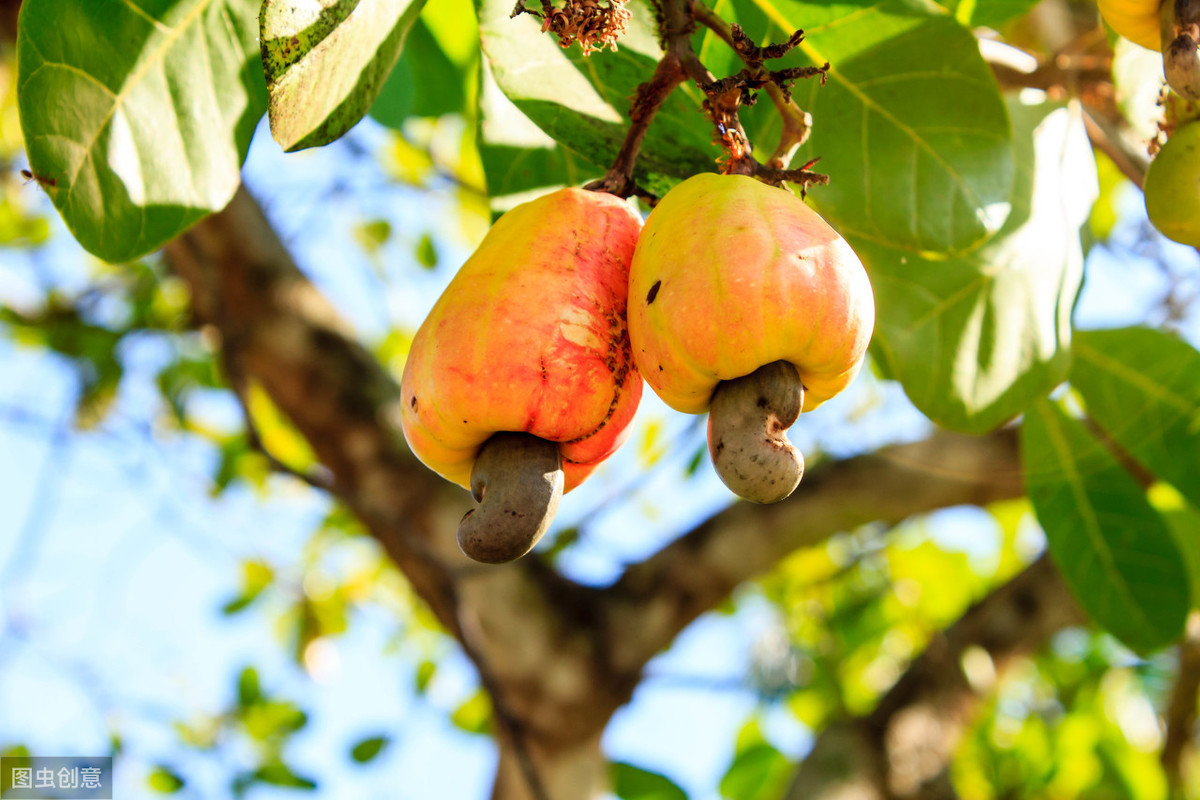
(1172, 186)
(1136, 20)
(521, 380)
(743, 301)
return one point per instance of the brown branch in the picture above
(1181, 711)
(658, 597)
(649, 98)
(900, 751)
(797, 123)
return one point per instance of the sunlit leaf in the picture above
(326, 63)
(141, 136)
(582, 102)
(1143, 388)
(165, 780)
(280, 774)
(427, 254)
(975, 339)
(910, 126)
(474, 715)
(368, 749)
(1183, 521)
(1113, 548)
(248, 690)
(631, 782)
(424, 83)
(758, 772)
(424, 675)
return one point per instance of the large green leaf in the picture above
(424, 83)
(975, 339)
(1142, 387)
(140, 112)
(327, 61)
(910, 127)
(437, 71)
(518, 157)
(582, 102)
(989, 13)
(1114, 550)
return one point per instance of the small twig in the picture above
(649, 98)
(1131, 167)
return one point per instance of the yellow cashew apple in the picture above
(521, 381)
(1136, 20)
(744, 302)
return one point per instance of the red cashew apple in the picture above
(744, 302)
(521, 381)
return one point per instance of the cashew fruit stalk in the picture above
(530, 337)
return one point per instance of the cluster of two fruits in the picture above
(734, 298)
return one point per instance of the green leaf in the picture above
(475, 714)
(911, 126)
(760, 772)
(277, 773)
(273, 719)
(518, 157)
(140, 111)
(987, 13)
(165, 780)
(975, 339)
(1114, 550)
(248, 689)
(630, 782)
(582, 102)
(256, 577)
(425, 82)
(427, 254)
(1142, 387)
(424, 675)
(326, 63)
(368, 749)
(1184, 523)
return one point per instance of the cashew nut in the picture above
(748, 421)
(517, 480)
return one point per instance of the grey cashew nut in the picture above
(748, 420)
(1180, 27)
(517, 480)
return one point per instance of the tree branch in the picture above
(902, 748)
(1181, 711)
(657, 598)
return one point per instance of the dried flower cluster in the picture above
(592, 23)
